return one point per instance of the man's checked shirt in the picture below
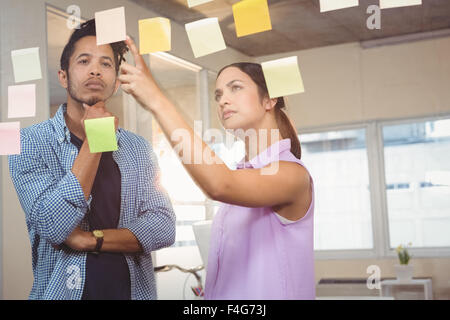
(54, 206)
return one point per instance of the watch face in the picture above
(98, 233)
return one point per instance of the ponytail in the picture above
(287, 130)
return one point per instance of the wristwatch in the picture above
(98, 234)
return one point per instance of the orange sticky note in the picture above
(251, 16)
(154, 35)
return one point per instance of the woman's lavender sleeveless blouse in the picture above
(253, 255)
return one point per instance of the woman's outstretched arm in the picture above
(250, 188)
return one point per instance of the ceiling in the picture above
(299, 25)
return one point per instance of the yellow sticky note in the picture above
(205, 36)
(283, 77)
(193, 3)
(110, 26)
(26, 64)
(251, 16)
(154, 35)
(329, 5)
(386, 4)
(101, 134)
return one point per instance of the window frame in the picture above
(378, 196)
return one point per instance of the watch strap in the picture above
(99, 244)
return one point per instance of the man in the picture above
(93, 218)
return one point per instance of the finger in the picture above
(126, 87)
(134, 50)
(125, 78)
(128, 68)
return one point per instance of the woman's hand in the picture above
(139, 82)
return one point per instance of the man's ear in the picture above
(62, 77)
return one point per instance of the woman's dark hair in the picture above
(287, 130)
(88, 29)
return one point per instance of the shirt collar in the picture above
(271, 154)
(62, 132)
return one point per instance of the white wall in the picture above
(347, 84)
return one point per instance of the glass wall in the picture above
(337, 161)
(417, 166)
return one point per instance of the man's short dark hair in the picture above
(88, 29)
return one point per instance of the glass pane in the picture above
(230, 155)
(180, 85)
(214, 118)
(57, 36)
(186, 216)
(417, 170)
(338, 164)
(174, 177)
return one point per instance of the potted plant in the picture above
(404, 270)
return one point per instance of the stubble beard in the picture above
(73, 94)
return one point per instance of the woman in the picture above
(262, 238)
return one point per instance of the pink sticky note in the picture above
(110, 26)
(22, 101)
(9, 138)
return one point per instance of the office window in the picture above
(179, 82)
(337, 161)
(417, 167)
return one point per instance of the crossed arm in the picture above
(84, 169)
(55, 209)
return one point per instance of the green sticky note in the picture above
(101, 134)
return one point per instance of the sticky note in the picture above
(329, 5)
(251, 16)
(9, 138)
(154, 35)
(101, 134)
(110, 26)
(193, 3)
(386, 4)
(205, 36)
(26, 64)
(283, 77)
(22, 101)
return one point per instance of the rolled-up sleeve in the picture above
(155, 224)
(53, 208)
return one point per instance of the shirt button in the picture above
(73, 152)
(61, 140)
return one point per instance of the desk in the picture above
(387, 285)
